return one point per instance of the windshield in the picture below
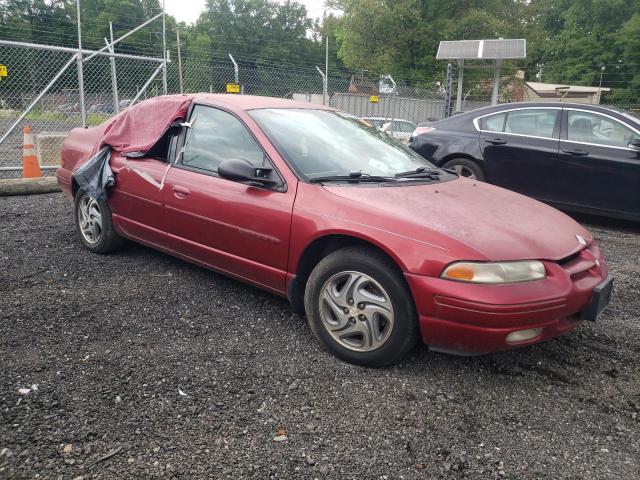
(320, 143)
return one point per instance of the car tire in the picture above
(359, 306)
(94, 224)
(465, 168)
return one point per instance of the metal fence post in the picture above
(83, 112)
(164, 48)
(324, 85)
(460, 77)
(236, 74)
(447, 93)
(496, 81)
(114, 80)
(179, 60)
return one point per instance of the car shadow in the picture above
(591, 220)
(560, 361)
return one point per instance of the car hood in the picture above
(496, 223)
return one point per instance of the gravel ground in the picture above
(173, 371)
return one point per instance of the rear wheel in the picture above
(465, 168)
(358, 305)
(94, 225)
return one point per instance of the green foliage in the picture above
(572, 38)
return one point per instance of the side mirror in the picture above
(242, 171)
(635, 144)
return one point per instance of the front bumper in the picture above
(472, 319)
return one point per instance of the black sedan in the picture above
(578, 157)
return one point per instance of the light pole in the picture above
(600, 84)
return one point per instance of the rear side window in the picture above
(216, 136)
(533, 122)
(493, 123)
(592, 128)
(404, 127)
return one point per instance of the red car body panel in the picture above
(259, 235)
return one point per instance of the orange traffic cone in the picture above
(30, 165)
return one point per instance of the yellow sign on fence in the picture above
(373, 99)
(3, 71)
(233, 88)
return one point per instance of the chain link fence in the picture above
(30, 71)
(58, 110)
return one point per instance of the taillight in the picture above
(421, 130)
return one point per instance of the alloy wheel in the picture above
(356, 311)
(90, 219)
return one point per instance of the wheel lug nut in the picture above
(362, 317)
(350, 301)
(345, 310)
(352, 320)
(361, 306)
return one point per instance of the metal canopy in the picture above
(499, 49)
(496, 50)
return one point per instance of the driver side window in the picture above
(216, 136)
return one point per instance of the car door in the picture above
(520, 148)
(136, 201)
(602, 170)
(238, 229)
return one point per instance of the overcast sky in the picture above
(189, 10)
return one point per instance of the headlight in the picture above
(493, 273)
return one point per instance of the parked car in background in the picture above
(69, 108)
(376, 245)
(101, 108)
(397, 128)
(578, 157)
(125, 103)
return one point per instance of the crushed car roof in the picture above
(140, 126)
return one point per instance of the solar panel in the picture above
(458, 49)
(482, 49)
(516, 48)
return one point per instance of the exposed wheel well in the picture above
(74, 187)
(313, 253)
(469, 158)
(466, 156)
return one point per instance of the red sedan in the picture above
(377, 246)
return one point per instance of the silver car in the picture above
(397, 128)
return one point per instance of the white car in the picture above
(397, 128)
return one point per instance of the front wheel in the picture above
(359, 306)
(94, 224)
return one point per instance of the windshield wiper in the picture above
(420, 172)
(353, 177)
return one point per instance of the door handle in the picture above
(496, 141)
(577, 152)
(180, 191)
